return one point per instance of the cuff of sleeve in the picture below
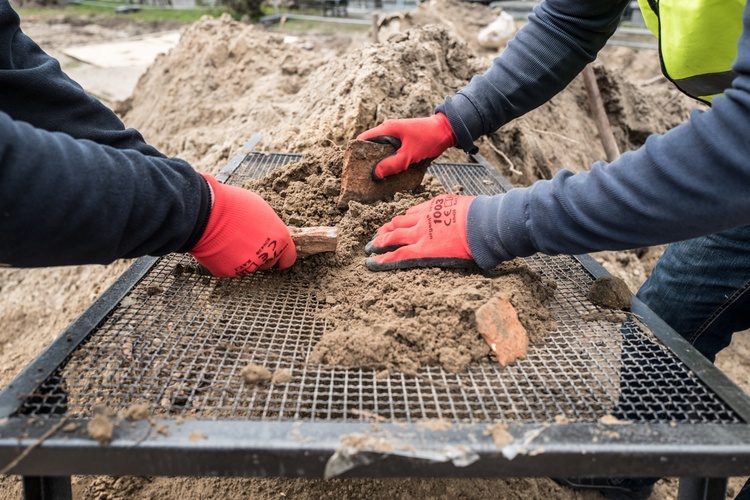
(496, 229)
(204, 211)
(461, 129)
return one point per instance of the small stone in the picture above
(611, 292)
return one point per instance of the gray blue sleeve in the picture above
(691, 181)
(561, 37)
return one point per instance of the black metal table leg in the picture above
(47, 488)
(702, 488)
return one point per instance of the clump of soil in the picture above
(101, 428)
(499, 433)
(136, 412)
(282, 376)
(197, 436)
(392, 320)
(610, 291)
(255, 374)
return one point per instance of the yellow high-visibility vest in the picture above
(697, 42)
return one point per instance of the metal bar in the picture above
(294, 449)
(634, 31)
(237, 159)
(47, 362)
(727, 390)
(479, 158)
(633, 45)
(47, 488)
(702, 488)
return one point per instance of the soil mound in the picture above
(227, 81)
(400, 320)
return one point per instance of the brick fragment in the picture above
(357, 184)
(498, 323)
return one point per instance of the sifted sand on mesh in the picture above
(401, 320)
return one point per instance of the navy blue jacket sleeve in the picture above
(561, 37)
(691, 181)
(76, 187)
(35, 90)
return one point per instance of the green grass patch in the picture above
(106, 10)
(102, 10)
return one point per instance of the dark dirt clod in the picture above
(611, 292)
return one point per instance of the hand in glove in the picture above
(431, 234)
(417, 141)
(243, 234)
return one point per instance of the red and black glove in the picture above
(431, 234)
(243, 234)
(417, 141)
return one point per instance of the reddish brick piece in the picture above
(357, 184)
(498, 323)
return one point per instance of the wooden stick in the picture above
(600, 115)
(312, 240)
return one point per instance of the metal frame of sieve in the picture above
(618, 395)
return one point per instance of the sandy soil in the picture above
(227, 81)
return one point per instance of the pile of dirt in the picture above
(394, 320)
(464, 19)
(227, 81)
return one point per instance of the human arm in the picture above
(73, 201)
(561, 37)
(691, 181)
(68, 201)
(36, 91)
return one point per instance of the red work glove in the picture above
(417, 141)
(431, 234)
(243, 234)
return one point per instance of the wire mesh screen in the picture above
(179, 341)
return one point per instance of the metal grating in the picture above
(179, 340)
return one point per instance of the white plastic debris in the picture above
(498, 32)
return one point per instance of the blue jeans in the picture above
(701, 288)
